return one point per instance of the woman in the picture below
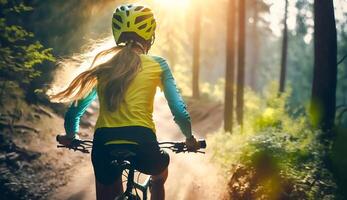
(125, 86)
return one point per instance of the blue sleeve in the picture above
(75, 112)
(177, 106)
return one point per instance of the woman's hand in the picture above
(192, 144)
(66, 139)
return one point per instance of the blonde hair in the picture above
(113, 76)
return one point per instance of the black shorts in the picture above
(149, 158)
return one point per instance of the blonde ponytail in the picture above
(113, 76)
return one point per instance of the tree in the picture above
(255, 44)
(284, 50)
(257, 26)
(240, 63)
(20, 53)
(323, 98)
(230, 69)
(196, 51)
(341, 95)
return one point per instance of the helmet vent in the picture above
(128, 24)
(146, 10)
(149, 30)
(152, 22)
(118, 18)
(116, 26)
(127, 12)
(142, 18)
(122, 8)
(138, 8)
(143, 26)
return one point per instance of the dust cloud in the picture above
(69, 68)
(191, 176)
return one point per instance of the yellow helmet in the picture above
(133, 19)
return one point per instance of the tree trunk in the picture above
(196, 53)
(241, 63)
(323, 98)
(284, 50)
(255, 49)
(230, 69)
(3, 90)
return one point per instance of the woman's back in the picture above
(137, 107)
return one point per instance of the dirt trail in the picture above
(191, 176)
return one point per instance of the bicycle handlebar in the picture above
(177, 147)
(77, 145)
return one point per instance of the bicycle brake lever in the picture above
(197, 151)
(75, 148)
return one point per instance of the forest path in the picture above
(191, 176)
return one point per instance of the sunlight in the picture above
(96, 47)
(69, 68)
(276, 14)
(173, 4)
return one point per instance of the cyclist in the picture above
(125, 86)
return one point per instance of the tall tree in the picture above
(230, 68)
(255, 43)
(258, 28)
(323, 99)
(196, 51)
(241, 62)
(284, 49)
(341, 88)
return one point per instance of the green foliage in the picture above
(20, 53)
(288, 144)
(213, 92)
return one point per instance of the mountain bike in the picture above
(122, 159)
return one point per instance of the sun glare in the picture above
(173, 4)
(78, 63)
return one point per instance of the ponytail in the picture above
(113, 76)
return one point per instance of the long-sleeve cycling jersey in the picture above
(137, 107)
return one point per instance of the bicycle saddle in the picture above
(122, 154)
(119, 149)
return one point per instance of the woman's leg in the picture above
(157, 188)
(109, 192)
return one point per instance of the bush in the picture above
(20, 53)
(281, 155)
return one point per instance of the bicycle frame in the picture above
(131, 184)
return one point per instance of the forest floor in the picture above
(31, 166)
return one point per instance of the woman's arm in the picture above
(177, 105)
(75, 112)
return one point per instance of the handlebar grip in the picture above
(202, 144)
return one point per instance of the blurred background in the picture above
(67, 27)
